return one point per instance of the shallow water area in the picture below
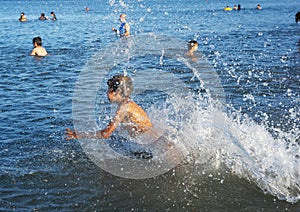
(243, 155)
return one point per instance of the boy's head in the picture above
(122, 17)
(193, 44)
(37, 41)
(121, 84)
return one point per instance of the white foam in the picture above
(238, 143)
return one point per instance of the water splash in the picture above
(210, 137)
(216, 140)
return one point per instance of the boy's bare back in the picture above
(134, 118)
(39, 51)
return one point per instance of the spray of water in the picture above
(205, 135)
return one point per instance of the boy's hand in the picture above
(70, 134)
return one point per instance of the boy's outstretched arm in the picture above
(75, 134)
(105, 133)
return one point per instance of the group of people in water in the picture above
(129, 114)
(38, 50)
(238, 7)
(123, 31)
(42, 17)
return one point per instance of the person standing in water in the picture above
(53, 16)
(124, 29)
(38, 50)
(43, 17)
(192, 47)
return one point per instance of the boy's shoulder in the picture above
(129, 105)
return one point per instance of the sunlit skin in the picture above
(22, 17)
(38, 50)
(131, 115)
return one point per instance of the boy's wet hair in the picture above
(193, 42)
(37, 40)
(121, 83)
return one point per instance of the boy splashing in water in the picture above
(131, 115)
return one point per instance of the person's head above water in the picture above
(120, 84)
(37, 41)
(122, 17)
(192, 45)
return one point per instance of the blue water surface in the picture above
(254, 52)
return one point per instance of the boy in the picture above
(38, 50)
(131, 115)
(124, 29)
(192, 47)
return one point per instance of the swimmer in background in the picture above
(192, 47)
(43, 17)
(235, 7)
(297, 17)
(227, 8)
(124, 29)
(239, 7)
(87, 9)
(53, 16)
(38, 50)
(22, 17)
(258, 7)
(129, 114)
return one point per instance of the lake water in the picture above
(235, 109)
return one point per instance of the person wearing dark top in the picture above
(53, 16)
